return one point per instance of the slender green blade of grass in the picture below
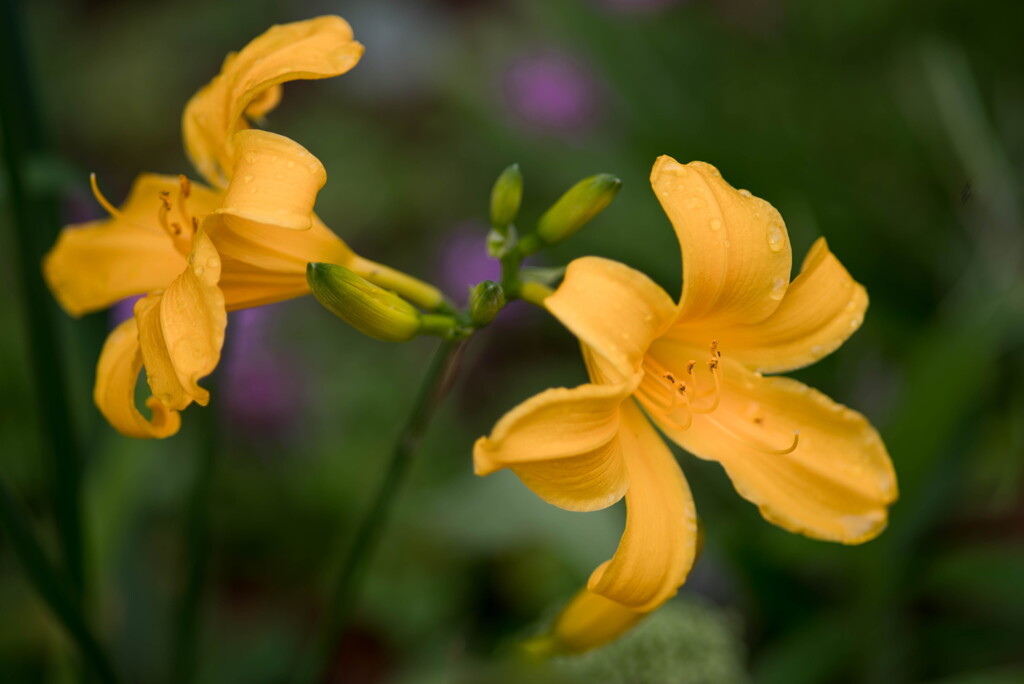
(50, 585)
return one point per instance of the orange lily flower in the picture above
(198, 251)
(695, 369)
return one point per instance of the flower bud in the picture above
(505, 198)
(485, 301)
(582, 202)
(370, 309)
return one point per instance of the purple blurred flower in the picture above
(551, 90)
(464, 260)
(122, 310)
(260, 392)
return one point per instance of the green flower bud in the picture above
(505, 198)
(575, 208)
(370, 309)
(485, 301)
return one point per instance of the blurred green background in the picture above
(895, 129)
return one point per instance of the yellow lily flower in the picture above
(200, 251)
(695, 367)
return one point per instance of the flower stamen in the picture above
(104, 202)
(747, 442)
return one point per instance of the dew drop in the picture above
(778, 288)
(716, 224)
(198, 270)
(674, 167)
(213, 262)
(290, 165)
(694, 202)
(249, 178)
(745, 193)
(855, 322)
(775, 237)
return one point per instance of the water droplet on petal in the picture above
(855, 322)
(249, 178)
(776, 237)
(745, 193)
(716, 224)
(290, 165)
(778, 288)
(198, 270)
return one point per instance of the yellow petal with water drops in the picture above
(811, 465)
(92, 265)
(615, 311)
(564, 445)
(587, 622)
(736, 253)
(266, 232)
(114, 393)
(181, 330)
(659, 545)
(823, 306)
(275, 183)
(249, 84)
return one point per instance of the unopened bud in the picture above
(485, 301)
(575, 208)
(506, 196)
(370, 309)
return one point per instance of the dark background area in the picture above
(895, 129)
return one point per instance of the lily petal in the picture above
(589, 621)
(659, 545)
(275, 181)
(615, 311)
(266, 231)
(736, 253)
(564, 445)
(249, 84)
(181, 331)
(116, 375)
(95, 264)
(835, 485)
(823, 306)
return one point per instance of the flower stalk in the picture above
(436, 384)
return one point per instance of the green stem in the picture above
(186, 632)
(35, 223)
(52, 587)
(436, 383)
(535, 293)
